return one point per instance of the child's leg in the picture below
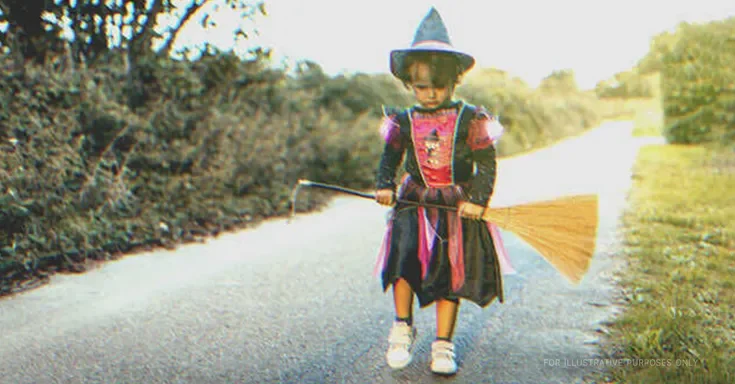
(403, 301)
(402, 334)
(446, 318)
(442, 350)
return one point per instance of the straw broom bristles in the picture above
(562, 230)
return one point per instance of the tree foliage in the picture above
(560, 81)
(625, 85)
(698, 80)
(89, 29)
(660, 46)
(532, 117)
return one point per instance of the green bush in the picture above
(698, 80)
(627, 85)
(209, 146)
(532, 117)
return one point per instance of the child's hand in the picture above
(471, 211)
(384, 196)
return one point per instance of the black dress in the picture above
(449, 156)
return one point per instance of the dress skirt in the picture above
(431, 276)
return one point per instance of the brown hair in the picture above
(445, 68)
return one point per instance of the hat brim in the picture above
(397, 57)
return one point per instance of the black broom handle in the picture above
(368, 195)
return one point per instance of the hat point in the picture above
(431, 35)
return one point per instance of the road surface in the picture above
(296, 303)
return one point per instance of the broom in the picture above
(562, 230)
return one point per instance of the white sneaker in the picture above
(442, 358)
(400, 345)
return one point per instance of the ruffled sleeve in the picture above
(390, 130)
(393, 149)
(485, 130)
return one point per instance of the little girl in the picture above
(449, 146)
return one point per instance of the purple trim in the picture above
(384, 249)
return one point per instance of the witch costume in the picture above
(449, 156)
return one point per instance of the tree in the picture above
(661, 45)
(92, 28)
(560, 81)
(627, 84)
(698, 84)
(26, 27)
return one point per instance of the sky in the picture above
(526, 38)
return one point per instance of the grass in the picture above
(679, 239)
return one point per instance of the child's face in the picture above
(426, 93)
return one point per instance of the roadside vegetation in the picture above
(114, 146)
(678, 289)
(679, 230)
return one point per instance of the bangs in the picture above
(444, 68)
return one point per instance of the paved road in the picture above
(296, 303)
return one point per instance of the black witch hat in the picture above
(431, 36)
